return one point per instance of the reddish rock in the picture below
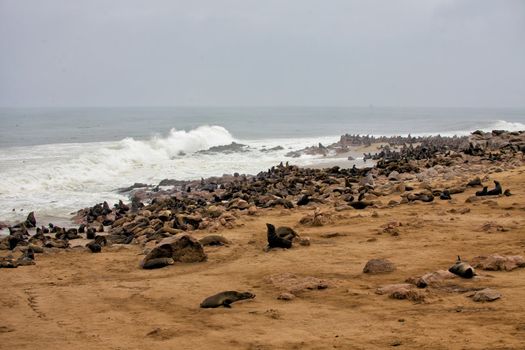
(485, 295)
(183, 248)
(498, 262)
(376, 266)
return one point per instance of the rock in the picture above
(486, 294)
(475, 182)
(293, 284)
(304, 241)
(316, 219)
(214, 240)
(286, 296)
(492, 226)
(431, 278)
(376, 266)
(472, 199)
(498, 262)
(459, 210)
(332, 235)
(394, 176)
(214, 211)
(183, 248)
(233, 147)
(402, 291)
(252, 210)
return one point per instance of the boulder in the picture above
(402, 291)
(486, 294)
(498, 262)
(376, 266)
(183, 248)
(292, 284)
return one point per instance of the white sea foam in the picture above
(60, 178)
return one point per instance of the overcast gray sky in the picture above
(262, 53)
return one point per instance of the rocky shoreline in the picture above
(174, 207)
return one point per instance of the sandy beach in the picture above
(260, 175)
(78, 300)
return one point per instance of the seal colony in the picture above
(408, 216)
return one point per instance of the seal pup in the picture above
(462, 269)
(483, 192)
(274, 240)
(28, 258)
(90, 233)
(225, 299)
(445, 195)
(96, 245)
(304, 200)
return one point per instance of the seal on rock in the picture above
(462, 269)
(225, 299)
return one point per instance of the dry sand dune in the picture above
(79, 300)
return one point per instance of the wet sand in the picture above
(78, 300)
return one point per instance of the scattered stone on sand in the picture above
(377, 266)
(332, 235)
(492, 226)
(486, 295)
(431, 278)
(286, 296)
(161, 334)
(304, 241)
(293, 284)
(402, 291)
(472, 199)
(459, 210)
(316, 219)
(498, 262)
(214, 240)
(392, 228)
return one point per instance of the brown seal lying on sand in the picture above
(157, 263)
(225, 299)
(462, 269)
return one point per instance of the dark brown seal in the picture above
(157, 263)
(462, 269)
(225, 299)
(276, 241)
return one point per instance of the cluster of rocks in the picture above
(416, 288)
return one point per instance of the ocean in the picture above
(55, 161)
